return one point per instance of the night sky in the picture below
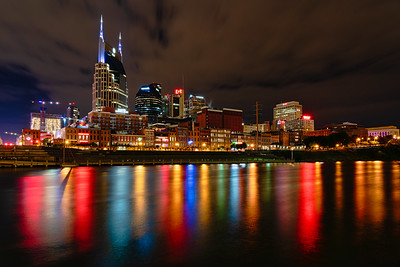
(339, 59)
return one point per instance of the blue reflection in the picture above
(146, 242)
(234, 194)
(190, 209)
(119, 212)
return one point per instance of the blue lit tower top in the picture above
(120, 46)
(100, 57)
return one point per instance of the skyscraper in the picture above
(72, 114)
(109, 88)
(193, 105)
(288, 111)
(148, 101)
(177, 104)
(289, 116)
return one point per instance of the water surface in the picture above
(303, 214)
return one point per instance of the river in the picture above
(301, 214)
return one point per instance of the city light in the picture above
(178, 91)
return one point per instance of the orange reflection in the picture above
(369, 192)
(204, 191)
(376, 196)
(252, 208)
(139, 207)
(396, 190)
(359, 190)
(339, 187)
(309, 210)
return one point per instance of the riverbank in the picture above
(54, 157)
(73, 157)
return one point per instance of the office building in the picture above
(193, 105)
(233, 119)
(72, 115)
(285, 112)
(305, 123)
(177, 104)
(148, 101)
(288, 111)
(210, 118)
(262, 127)
(165, 105)
(109, 88)
(226, 118)
(118, 120)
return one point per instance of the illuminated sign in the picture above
(306, 117)
(178, 91)
(121, 110)
(281, 122)
(145, 88)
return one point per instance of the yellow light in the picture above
(67, 142)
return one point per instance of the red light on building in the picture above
(84, 134)
(178, 91)
(306, 117)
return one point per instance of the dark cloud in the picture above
(19, 86)
(340, 59)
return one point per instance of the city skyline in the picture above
(51, 54)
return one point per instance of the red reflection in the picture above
(170, 211)
(309, 206)
(176, 228)
(83, 226)
(30, 210)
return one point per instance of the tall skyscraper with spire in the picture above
(109, 89)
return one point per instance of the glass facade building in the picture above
(148, 101)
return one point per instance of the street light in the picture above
(66, 142)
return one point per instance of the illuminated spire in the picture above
(100, 57)
(101, 28)
(120, 45)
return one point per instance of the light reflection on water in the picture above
(182, 214)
